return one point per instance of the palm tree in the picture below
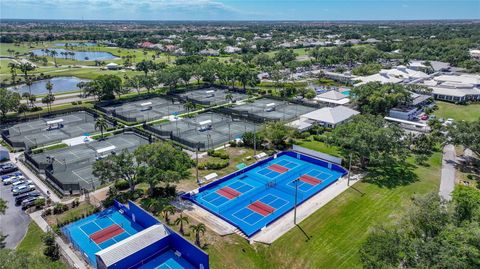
(154, 205)
(167, 211)
(189, 106)
(50, 97)
(180, 221)
(198, 229)
(13, 71)
(229, 97)
(54, 53)
(101, 124)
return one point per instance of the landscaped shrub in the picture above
(122, 185)
(214, 164)
(59, 208)
(222, 154)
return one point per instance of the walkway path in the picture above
(66, 250)
(447, 183)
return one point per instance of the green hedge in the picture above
(214, 164)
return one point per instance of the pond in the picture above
(60, 84)
(78, 55)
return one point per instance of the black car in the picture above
(8, 168)
(29, 202)
(21, 197)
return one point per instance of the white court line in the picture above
(129, 234)
(221, 196)
(74, 171)
(88, 236)
(253, 212)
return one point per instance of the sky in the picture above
(240, 9)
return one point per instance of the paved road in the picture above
(15, 221)
(447, 183)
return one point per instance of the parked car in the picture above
(10, 175)
(29, 202)
(8, 168)
(24, 196)
(21, 182)
(424, 117)
(23, 189)
(11, 180)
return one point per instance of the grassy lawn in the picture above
(32, 244)
(337, 230)
(320, 146)
(458, 112)
(82, 209)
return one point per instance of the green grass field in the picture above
(337, 230)
(32, 244)
(469, 112)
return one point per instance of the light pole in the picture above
(349, 168)
(196, 158)
(295, 205)
(254, 140)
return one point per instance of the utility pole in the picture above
(349, 168)
(295, 205)
(196, 165)
(254, 140)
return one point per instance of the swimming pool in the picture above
(256, 196)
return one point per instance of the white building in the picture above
(332, 97)
(328, 117)
(475, 53)
(112, 66)
(395, 75)
(455, 88)
(231, 49)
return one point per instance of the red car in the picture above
(424, 117)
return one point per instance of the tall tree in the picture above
(9, 101)
(121, 166)
(197, 230)
(102, 124)
(375, 98)
(181, 220)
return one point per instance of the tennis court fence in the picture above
(60, 186)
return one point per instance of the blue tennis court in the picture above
(81, 232)
(167, 260)
(256, 196)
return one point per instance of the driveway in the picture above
(15, 221)
(447, 183)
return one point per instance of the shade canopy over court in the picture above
(49, 130)
(256, 196)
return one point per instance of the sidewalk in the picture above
(447, 182)
(77, 263)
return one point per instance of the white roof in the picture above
(146, 104)
(132, 244)
(300, 124)
(270, 105)
(470, 79)
(112, 64)
(210, 91)
(332, 95)
(394, 75)
(332, 115)
(54, 121)
(205, 122)
(458, 92)
(105, 149)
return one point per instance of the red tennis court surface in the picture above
(261, 208)
(310, 180)
(107, 233)
(278, 168)
(228, 192)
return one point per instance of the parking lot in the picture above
(15, 221)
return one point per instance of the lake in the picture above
(79, 55)
(60, 84)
